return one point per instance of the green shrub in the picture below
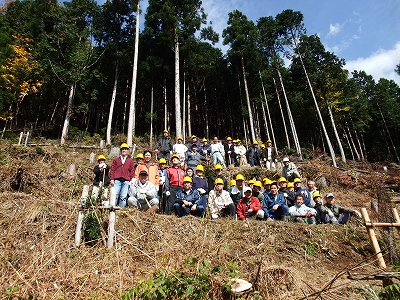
(39, 150)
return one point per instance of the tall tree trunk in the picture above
(292, 126)
(165, 105)
(283, 116)
(5, 124)
(132, 107)
(253, 136)
(151, 115)
(352, 142)
(125, 106)
(388, 133)
(184, 109)
(189, 119)
(348, 143)
(178, 119)
(205, 111)
(64, 132)
(269, 115)
(265, 119)
(336, 133)
(359, 145)
(111, 112)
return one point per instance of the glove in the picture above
(133, 180)
(265, 159)
(162, 179)
(229, 152)
(205, 151)
(330, 214)
(167, 193)
(214, 216)
(201, 191)
(285, 195)
(102, 166)
(357, 213)
(309, 214)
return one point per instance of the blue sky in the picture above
(366, 33)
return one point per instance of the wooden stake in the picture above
(372, 237)
(111, 223)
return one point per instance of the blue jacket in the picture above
(193, 197)
(192, 158)
(200, 183)
(270, 201)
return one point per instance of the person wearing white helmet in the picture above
(289, 170)
(249, 206)
(341, 215)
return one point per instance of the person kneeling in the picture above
(300, 212)
(188, 200)
(249, 206)
(143, 193)
(220, 202)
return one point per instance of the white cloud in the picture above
(380, 64)
(334, 29)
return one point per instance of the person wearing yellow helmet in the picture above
(205, 149)
(290, 187)
(217, 174)
(274, 205)
(219, 201)
(217, 152)
(162, 174)
(236, 192)
(257, 191)
(194, 141)
(163, 147)
(232, 183)
(283, 189)
(173, 183)
(200, 184)
(188, 200)
(193, 157)
(121, 173)
(139, 158)
(101, 171)
(267, 184)
(180, 149)
(230, 155)
(254, 155)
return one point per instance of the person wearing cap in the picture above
(101, 171)
(194, 142)
(205, 149)
(188, 200)
(268, 156)
(241, 152)
(143, 193)
(217, 174)
(274, 205)
(257, 191)
(290, 187)
(254, 155)
(217, 152)
(200, 184)
(162, 174)
(341, 215)
(236, 192)
(164, 146)
(121, 173)
(180, 149)
(289, 169)
(249, 206)
(173, 183)
(302, 213)
(288, 195)
(193, 157)
(150, 168)
(321, 210)
(230, 155)
(308, 201)
(219, 201)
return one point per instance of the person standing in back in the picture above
(121, 173)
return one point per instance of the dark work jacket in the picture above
(99, 176)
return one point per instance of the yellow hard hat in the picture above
(262, 146)
(218, 167)
(193, 136)
(175, 156)
(204, 140)
(139, 155)
(187, 179)
(165, 131)
(316, 194)
(124, 145)
(101, 157)
(229, 138)
(162, 161)
(267, 181)
(218, 181)
(239, 177)
(255, 142)
(232, 182)
(258, 183)
(251, 181)
(200, 168)
(179, 138)
(297, 180)
(282, 179)
(290, 184)
(269, 141)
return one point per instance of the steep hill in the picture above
(39, 208)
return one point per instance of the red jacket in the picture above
(174, 177)
(125, 171)
(242, 208)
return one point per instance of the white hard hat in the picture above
(285, 159)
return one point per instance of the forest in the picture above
(76, 69)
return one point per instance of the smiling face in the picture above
(247, 194)
(187, 185)
(143, 178)
(330, 200)
(299, 200)
(239, 183)
(147, 156)
(274, 189)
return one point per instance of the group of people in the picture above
(183, 189)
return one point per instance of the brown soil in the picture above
(284, 260)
